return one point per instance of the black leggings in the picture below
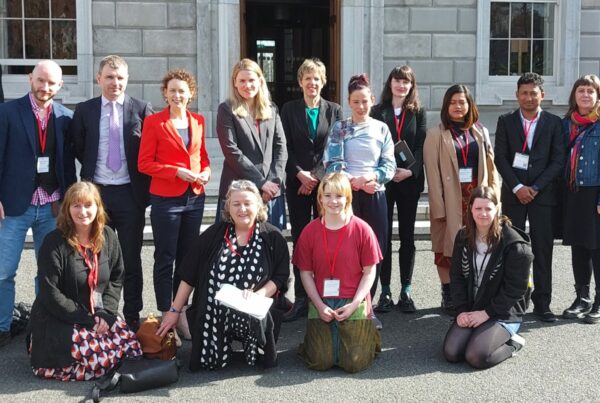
(482, 347)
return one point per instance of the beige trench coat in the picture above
(445, 197)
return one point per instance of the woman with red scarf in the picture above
(76, 333)
(582, 200)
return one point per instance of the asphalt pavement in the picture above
(560, 362)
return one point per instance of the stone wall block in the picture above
(433, 20)
(182, 15)
(467, 20)
(451, 45)
(117, 41)
(170, 42)
(464, 72)
(395, 45)
(433, 71)
(590, 21)
(147, 68)
(395, 19)
(103, 14)
(589, 46)
(589, 67)
(146, 15)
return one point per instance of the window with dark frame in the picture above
(38, 29)
(521, 38)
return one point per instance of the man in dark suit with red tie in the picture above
(529, 157)
(106, 134)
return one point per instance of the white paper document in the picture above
(255, 305)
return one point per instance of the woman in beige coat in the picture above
(458, 157)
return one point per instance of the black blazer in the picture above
(546, 158)
(303, 153)
(413, 132)
(84, 135)
(248, 155)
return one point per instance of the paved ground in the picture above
(560, 362)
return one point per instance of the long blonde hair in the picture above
(82, 192)
(262, 101)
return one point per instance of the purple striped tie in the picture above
(113, 161)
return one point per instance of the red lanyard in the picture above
(463, 150)
(337, 247)
(42, 133)
(527, 128)
(400, 123)
(231, 246)
(92, 275)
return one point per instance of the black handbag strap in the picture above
(106, 384)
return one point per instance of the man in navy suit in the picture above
(35, 170)
(106, 134)
(530, 156)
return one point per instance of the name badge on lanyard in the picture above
(332, 285)
(43, 165)
(521, 161)
(465, 175)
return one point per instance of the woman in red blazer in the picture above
(173, 153)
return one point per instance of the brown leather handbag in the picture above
(154, 346)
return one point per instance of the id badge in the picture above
(331, 287)
(98, 300)
(402, 156)
(465, 175)
(521, 161)
(43, 165)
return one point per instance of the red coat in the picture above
(162, 153)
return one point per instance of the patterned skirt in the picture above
(94, 355)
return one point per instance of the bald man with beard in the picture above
(36, 168)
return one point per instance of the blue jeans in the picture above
(176, 224)
(12, 239)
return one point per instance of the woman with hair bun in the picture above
(362, 148)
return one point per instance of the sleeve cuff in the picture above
(516, 188)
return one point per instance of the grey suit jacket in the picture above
(258, 157)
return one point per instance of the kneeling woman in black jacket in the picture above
(76, 334)
(490, 272)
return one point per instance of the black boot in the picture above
(297, 311)
(593, 316)
(406, 303)
(385, 303)
(447, 305)
(582, 304)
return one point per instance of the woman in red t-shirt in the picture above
(336, 255)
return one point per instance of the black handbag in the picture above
(138, 374)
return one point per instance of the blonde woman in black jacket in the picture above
(490, 275)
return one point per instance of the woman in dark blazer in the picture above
(401, 109)
(252, 139)
(173, 153)
(306, 123)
